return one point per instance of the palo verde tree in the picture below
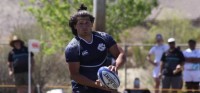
(53, 15)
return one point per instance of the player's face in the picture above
(83, 25)
(172, 44)
(17, 45)
(159, 41)
(192, 45)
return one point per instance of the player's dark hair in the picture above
(192, 41)
(82, 12)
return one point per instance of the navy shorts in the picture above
(78, 88)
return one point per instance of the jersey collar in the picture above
(86, 40)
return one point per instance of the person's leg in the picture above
(25, 78)
(24, 89)
(196, 87)
(156, 78)
(176, 83)
(189, 86)
(166, 81)
(20, 89)
(19, 82)
(157, 84)
(196, 81)
(187, 77)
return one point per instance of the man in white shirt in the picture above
(157, 50)
(191, 74)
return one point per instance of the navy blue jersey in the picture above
(90, 55)
(171, 59)
(19, 57)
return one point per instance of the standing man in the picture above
(157, 50)
(171, 68)
(87, 52)
(18, 64)
(191, 74)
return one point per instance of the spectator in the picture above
(18, 64)
(157, 51)
(191, 74)
(171, 67)
(87, 52)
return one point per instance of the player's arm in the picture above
(32, 64)
(162, 63)
(10, 64)
(149, 56)
(161, 68)
(75, 75)
(149, 59)
(116, 51)
(118, 54)
(179, 67)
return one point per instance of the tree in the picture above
(124, 14)
(176, 28)
(53, 15)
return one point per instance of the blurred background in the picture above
(133, 23)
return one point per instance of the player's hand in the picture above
(160, 75)
(101, 86)
(155, 64)
(113, 68)
(10, 73)
(178, 69)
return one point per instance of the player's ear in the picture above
(75, 26)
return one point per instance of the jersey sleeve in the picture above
(151, 51)
(163, 57)
(32, 54)
(184, 53)
(72, 53)
(166, 48)
(26, 48)
(108, 39)
(198, 51)
(182, 58)
(10, 57)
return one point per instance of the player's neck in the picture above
(88, 38)
(172, 48)
(159, 43)
(192, 49)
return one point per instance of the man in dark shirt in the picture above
(171, 67)
(18, 64)
(87, 52)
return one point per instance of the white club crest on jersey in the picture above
(85, 52)
(101, 47)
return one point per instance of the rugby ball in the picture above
(108, 78)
